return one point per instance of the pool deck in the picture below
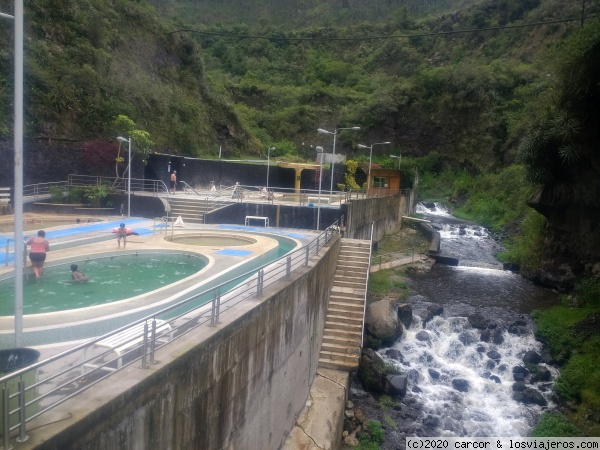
(77, 241)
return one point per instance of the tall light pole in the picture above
(18, 169)
(320, 156)
(399, 159)
(322, 131)
(268, 167)
(122, 139)
(370, 147)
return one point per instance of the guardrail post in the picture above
(152, 341)
(6, 417)
(145, 346)
(259, 283)
(216, 306)
(288, 266)
(318, 243)
(22, 418)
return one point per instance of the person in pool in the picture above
(76, 275)
(37, 254)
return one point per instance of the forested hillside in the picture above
(199, 75)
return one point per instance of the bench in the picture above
(322, 200)
(5, 206)
(249, 218)
(126, 340)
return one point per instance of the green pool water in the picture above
(112, 279)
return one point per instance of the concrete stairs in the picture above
(192, 210)
(342, 339)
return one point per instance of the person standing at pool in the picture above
(174, 181)
(37, 253)
(122, 234)
(76, 275)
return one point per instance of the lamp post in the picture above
(122, 139)
(18, 168)
(370, 147)
(322, 131)
(399, 159)
(268, 167)
(320, 156)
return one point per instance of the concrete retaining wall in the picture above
(386, 212)
(239, 385)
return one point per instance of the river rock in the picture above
(436, 310)
(460, 385)
(425, 316)
(394, 354)
(405, 314)
(477, 320)
(541, 374)
(495, 378)
(531, 357)
(396, 385)
(467, 338)
(434, 374)
(494, 355)
(530, 396)
(422, 336)
(381, 321)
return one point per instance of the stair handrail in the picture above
(362, 334)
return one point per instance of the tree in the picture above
(125, 126)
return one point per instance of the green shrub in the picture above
(554, 424)
(98, 194)
(76, 194)
(57, 194)
(373, 436)
(587, 292)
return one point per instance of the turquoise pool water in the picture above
(113, 278)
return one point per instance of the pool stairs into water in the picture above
(342, 339)
(192, 210)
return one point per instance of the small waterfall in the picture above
(463, 385)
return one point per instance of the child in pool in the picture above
(122, 234)
(76, 275)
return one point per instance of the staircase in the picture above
(342, 339)
(192, 210)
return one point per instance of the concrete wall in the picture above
(239, 385)
(386, 212)
(285, 216)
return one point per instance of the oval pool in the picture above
(219, 240)
(113, 278)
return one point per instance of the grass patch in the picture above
(573, 339)
(387, 281)
(373, 436)
(555, 424)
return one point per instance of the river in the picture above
(452, 349)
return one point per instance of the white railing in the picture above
(64, 376)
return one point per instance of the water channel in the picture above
(454, 350)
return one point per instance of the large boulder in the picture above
(382, 322)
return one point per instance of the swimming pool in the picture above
(113, 278)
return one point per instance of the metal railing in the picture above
(155, 187)
(414, 253)
(64, 375)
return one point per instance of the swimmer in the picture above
(76, 275)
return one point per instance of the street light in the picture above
(399, 159)
(122, 139)
(370, 157)
(319, 150)
(18, 168)
(322, 131)
(268, 167)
